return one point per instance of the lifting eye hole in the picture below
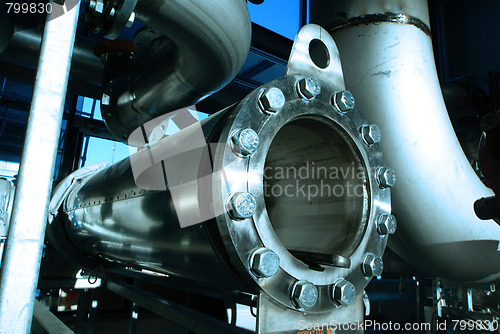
(319, 53)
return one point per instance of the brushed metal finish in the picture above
(390, 69)
(211, 38)
(132, 212)
(108, 216)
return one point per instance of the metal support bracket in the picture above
(273, 318)
(315, 53)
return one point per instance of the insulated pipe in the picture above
(211, 38)
(389, 65)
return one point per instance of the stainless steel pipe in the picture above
(211, 38)
(389, 66)
(24, 49)
(285, 194)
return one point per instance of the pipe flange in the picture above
(110, 17)
(309, 134)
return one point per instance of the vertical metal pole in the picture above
(23, 249)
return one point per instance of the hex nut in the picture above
(386, 224)
(242, 205)
(272, 100)
(371, 134)
(344, 101)
(264, 263)
(308, 87)
(245, 142)
(372, 265)
(304, 294)
(386, 177)
(343, 292)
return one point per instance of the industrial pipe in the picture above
(24, 48)
(386, 52)
(285, 194)
(211, 39)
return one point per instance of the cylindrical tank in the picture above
(285, 190)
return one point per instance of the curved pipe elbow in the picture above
(389, 67)
(211, 38)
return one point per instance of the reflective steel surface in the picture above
(211, 39)
(306, 195)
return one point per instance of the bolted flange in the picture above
(343, 292)
(309, 87)
(242, 205)
(304, 294)
(386, 224)
(264, 263)
(372, 265)
(272, 100)
(245, 142)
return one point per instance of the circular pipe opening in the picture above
(319, 53)
(315, 189)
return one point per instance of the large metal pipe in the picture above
(24, 48)
(389, 65)
(24, 245)
(279, 194)
(211, 38)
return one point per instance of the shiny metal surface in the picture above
(390, 69)
(246, 142)
(211, 38)
(272, 100)
(23, 249)
(343, 292)
(334, 13)
(371, 134)
(265, 262)
(111, 216)
(304, 58)
(304, 295)
(344, 101)
(372, 265)
(308, 87)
